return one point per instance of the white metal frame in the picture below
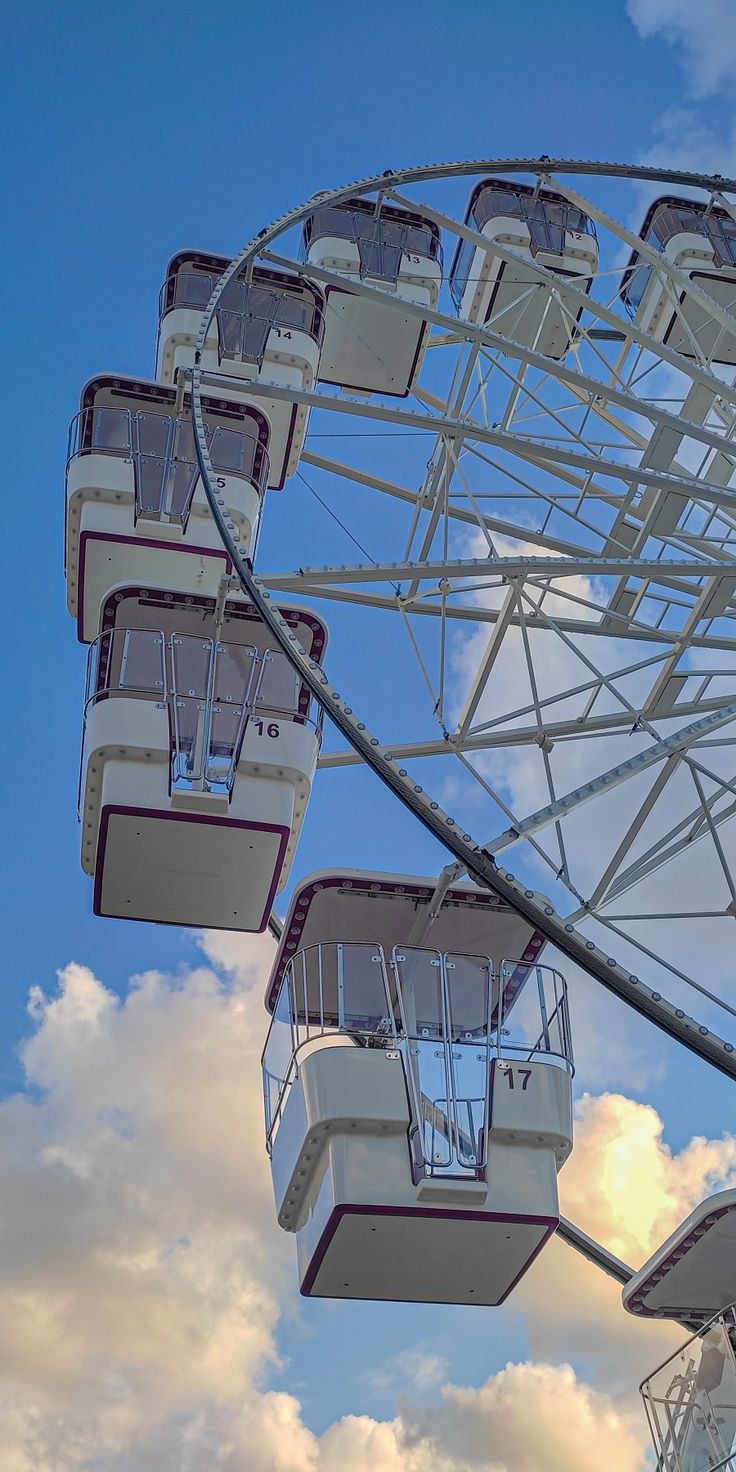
(597, 480)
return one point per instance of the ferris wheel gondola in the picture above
(270, 329)
(136, 508)
(200, 747)
(699, 239)
(690, 1400)
(371, 348)
(535, 225)
(418, 1090)
(548, 476)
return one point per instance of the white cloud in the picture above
(419, 1367)
(533, 1416)
(625, 1187)
(142, 1274)
(139, 1269)
(524, 1418)
(705, 34)
(684, 139)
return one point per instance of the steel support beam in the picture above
(616, 978)
(541, 453)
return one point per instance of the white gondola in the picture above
(700, 240)
(369, 348)
(200, 746)
(693, 1274)
(417, 1089)
(538, 226)
(690, 1400)
(269, 329)
(136, 508)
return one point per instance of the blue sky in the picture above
(131, 131)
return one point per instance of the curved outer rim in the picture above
(478, 864)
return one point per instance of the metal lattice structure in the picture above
(552, 557)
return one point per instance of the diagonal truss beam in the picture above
(485, 666)
(668, 746)
(542, 453)
(689, 830)
(579, 299)
(500, 568)
(484, 337)
(540, 913)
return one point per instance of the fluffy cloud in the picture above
(684, 139)
(623, 1183)
(523, 1418)
(518, 773)
(705, 34)
(625, 1187)
(532, 1416)
(142, 1276)
(139, 1271)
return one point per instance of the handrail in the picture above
(382, 239)
(173, 295)
(534, 209)
(88, 424)
(695, 1399)
(319, 1008)
(200, 756)
(530, 203)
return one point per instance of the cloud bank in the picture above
(704, 34)
(142, 1275)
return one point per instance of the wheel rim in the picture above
(565, 664)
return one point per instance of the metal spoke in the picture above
(543, 516)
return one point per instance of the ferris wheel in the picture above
(498, 400)
(561, 576)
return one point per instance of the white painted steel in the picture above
(501, 293)
(625, 479)
(365, 1229)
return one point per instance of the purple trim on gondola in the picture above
(300, 906)
(212, 552)
(159, 597)
(148, 391)
(111, 809)
(439, 1213)
(388, 212)
(511, 187)
(636, 1305)
(281, 482)
(670, 201)
(220, 264)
